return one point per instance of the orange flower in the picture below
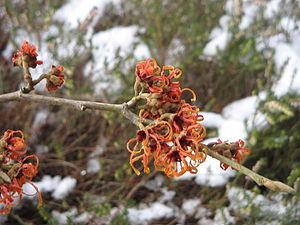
(236, 154)
(15, 171)
(28, 53)
(56, 78)
(147, 69)
(173, 138)
(15, 144)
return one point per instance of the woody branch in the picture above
(124, 110)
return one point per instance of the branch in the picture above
(75, 104)
(260, 180)
(123, 109)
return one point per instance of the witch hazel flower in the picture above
(26, 58)
(232, 150)
(28, 54)
(173, 138)
(55, 78)
(16, 169)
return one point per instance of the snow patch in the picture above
(93, 166)
(155, 184)
(64, 187)
(107, 43)
(40, 118)
(167, 195)
(76, 11)
(219, 37)
(62, 217)
(189, 206)
(145, 214)
(60, 187)
(209, 174)
(274, 208)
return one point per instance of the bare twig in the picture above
(260, 180)
(75, 104)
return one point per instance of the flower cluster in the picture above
(55, 78)
(173, 138)
(26, 53)
(233, 150)
(15, 170)
(26, 57)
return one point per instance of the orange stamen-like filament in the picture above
(193, 93)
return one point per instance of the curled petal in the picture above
(193, 93)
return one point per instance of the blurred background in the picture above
(240, 57)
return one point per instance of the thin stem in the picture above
(260, 180)
(27, 76)
(41, 77)
(75, 104)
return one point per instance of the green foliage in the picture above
(278, 143)
(120, 219)
(45, 214)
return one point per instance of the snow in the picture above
(62, 217)
(167, 195)
(250, 11)
(8, 51)
(106, 44)
(242, 109)
(60, 187)
(40, 118)
(63, 188)
(209, 174)
(275, 208)
(75, 11)
(41, 149)
(290, 79)
(212, 120)
(189, 206)
(93, 166)
(272, 8)
(82, 218)
(223, 217)
(155, 184)
(144, 214)
(219, 37)
(121, 38)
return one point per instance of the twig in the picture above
(260, 180)
(19, 219)
(27, 77)
(75, 104)
(123, 109)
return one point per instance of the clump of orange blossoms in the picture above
(233, 150)
(15, 170)
(173, 138)
(26, 53)
(55, 78)
(26, 57)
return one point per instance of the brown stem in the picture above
(260, 180)
(75, 104)
(41, 77)
(27, 76)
